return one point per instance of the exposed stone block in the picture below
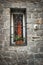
(30, 62)
(39, 21)
(0, 17)
(34, 15)
(36, 61)
(38, 55)
(0, 47)
(39, 32)
(1, 25)
(41, 26)
(41, 49)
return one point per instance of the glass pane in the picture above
(18, 28)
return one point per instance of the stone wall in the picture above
(32, 54)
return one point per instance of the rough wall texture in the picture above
(32, 54)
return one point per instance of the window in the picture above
(18, 27)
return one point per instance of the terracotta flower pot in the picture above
(19, 42)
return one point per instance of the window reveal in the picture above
(18, 29)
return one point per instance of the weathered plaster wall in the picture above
(32, 54)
